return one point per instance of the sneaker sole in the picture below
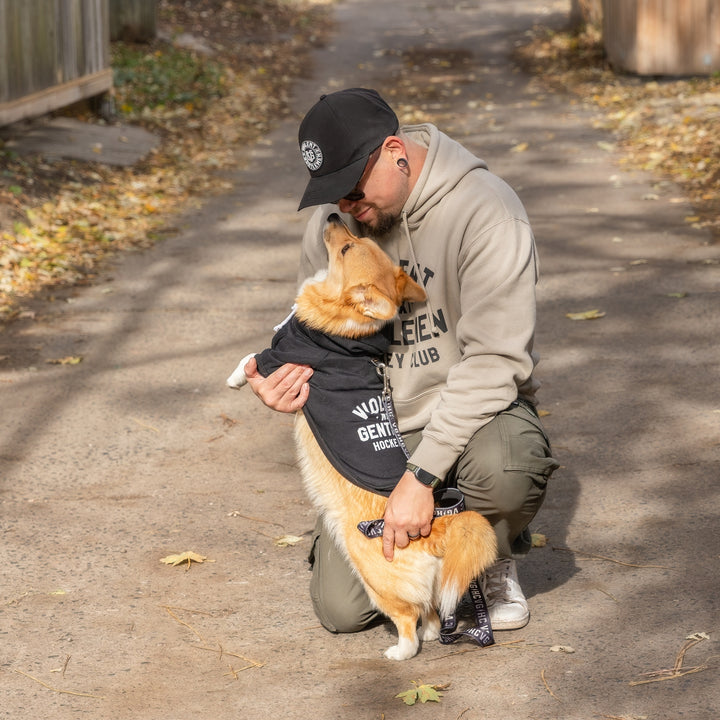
(511, 624)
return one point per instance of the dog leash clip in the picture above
(381, 370)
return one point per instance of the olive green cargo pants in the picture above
(503, 474)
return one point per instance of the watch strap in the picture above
(424, 476)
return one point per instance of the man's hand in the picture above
(409, 512)
(285, 390)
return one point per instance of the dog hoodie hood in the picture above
(344, 409)
(466, 353)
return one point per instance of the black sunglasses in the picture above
(356, 195)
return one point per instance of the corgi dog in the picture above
(358, 295)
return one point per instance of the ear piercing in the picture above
(402, 163)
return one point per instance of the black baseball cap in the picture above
(336, 138)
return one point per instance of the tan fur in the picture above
(362, 290)
(361, 293)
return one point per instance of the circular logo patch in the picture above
(311, 154)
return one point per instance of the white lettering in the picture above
(372, 407)
(374, 431)
(385, 444)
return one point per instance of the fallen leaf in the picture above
(285, 540)
(69, 360)
(427, 693)
(587, 315)
(423, 693)
(538, 540)
(186, 557)
(562, 648)
(544, 413)
(520, 147)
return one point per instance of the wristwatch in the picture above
(423, 476)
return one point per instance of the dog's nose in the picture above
(334, 219)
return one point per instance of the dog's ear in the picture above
(407, 288)
(369, 301)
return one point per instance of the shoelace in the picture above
(496, 583)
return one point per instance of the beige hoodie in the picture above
(466, 353)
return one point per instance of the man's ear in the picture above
(369, 301)
(407, 288)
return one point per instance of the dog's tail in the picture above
(470, 547)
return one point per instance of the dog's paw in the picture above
(431, 630)
(238, 379)
(404, 650)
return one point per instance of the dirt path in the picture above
(139, 451)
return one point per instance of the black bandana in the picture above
(345, 408)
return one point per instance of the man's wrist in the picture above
(422, 476)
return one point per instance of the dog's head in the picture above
(362, 290)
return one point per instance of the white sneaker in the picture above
(506, 603)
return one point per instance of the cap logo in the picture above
(311, 154)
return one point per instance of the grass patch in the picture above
(165, 77)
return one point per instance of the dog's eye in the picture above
(346, 248)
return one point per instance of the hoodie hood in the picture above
(345, 409)
(446, 164)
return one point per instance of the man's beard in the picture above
(380, 230)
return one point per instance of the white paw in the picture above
(238, 379)
(404, 650)
(431, 632)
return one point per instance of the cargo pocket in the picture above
(525, 445)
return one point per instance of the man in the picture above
(461, 363)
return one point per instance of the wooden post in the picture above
(663, 37)
(133, 20)
(585, 12)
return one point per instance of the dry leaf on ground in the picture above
(586, 315)
(423, 693)
(186, 557)
(69, 360)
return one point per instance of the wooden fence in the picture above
(133, 20)
(52, 54)
(663, 37)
